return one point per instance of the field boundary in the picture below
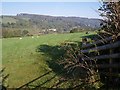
(106, 52)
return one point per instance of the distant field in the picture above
(23, 63)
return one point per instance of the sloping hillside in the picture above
(39, 23)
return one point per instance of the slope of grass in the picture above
(23, 63)
(8, 19)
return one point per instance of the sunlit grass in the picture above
(23, 63)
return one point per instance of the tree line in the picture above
(14, 33)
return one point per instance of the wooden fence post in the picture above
(110, 62)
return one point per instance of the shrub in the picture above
(77, 69)
(25, 32)
(75, 30)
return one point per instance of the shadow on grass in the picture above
(53, 54)
(27, 85)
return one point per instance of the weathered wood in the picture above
(104, 47)
(106, 66)
(109, 75)
(97, 42)
(110, 62)
(117, 55)
(90, 50)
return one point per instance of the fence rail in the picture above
(112, 56)
(104, 47)
(98, 42)
(107, 54)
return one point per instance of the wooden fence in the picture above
(106, 52)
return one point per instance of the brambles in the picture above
(77, 69)
(3, 79)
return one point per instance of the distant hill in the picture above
(40, 23)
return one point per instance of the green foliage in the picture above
(25, 32)
(11, 33)
(75, 30)
(14, 33)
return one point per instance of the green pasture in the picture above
(23, 62)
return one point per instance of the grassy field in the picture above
(24, 64)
